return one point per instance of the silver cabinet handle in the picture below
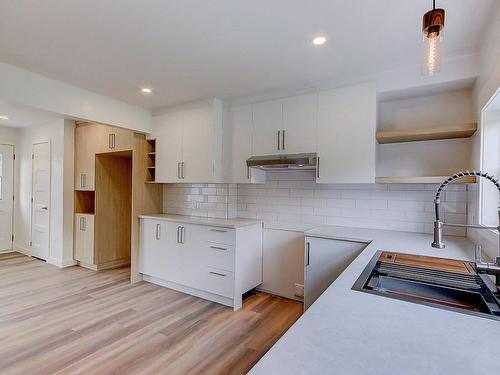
(183, 234)
(278, 143)
(82, 180)
(283, 139)
(109, 141)
(218, 248)
(308, 250)
(248, 173)
(182, 170)
(83, 224)
(218, 274)
(158, 231)
(178, 170)
(178, 234)
(317, 167)
(114, 140)
(218, 230)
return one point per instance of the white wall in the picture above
(486, 85)
(60, 135)
(26, 88)
(8, 135)
(431, 158)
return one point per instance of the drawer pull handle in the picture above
(218, 230)
(218, 248)
(218, 274)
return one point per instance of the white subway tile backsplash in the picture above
(295, 197)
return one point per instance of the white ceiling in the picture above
(192, 49)
(23, 117)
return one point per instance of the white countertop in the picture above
(351, 332)
(223, 223)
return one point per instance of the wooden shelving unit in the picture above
(151, 160)
(423, 180)
(427, 134)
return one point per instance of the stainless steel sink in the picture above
(424, 283)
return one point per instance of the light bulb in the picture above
(432, 53)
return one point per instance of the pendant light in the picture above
(432, 27)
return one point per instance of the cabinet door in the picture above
(267, 121)
(168, 133)
(85, 139)
(299, 124)
(84, 238)
(197, 145)
(238, 133)
(121, 139)
(324, 261)
(346, 135)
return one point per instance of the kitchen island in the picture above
(351, 332)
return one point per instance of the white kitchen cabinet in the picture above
(216, 263)
(299, 129)
(346, 135)
(189, 143)
(324, 261)
(267, 125)
(168, 133)
(84, 238)
(283, 258)
(237, 125)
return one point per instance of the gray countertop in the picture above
(223, 223)
(350, 332)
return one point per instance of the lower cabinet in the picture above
(215, 263)
(324, 261)
(84, 238)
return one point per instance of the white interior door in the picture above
(6, 195)
(41, 201)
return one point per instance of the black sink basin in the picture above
(465, 292)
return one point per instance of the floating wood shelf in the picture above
(427, 134)
(423, 180)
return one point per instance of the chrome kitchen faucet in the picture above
(481, 267)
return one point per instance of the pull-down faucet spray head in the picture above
(438, 224)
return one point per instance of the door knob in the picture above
(45, 208)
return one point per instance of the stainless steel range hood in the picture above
(283, 162)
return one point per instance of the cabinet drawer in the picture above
(219, 256)
(220, 235)
(218, 282)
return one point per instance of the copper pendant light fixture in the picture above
(432, 27)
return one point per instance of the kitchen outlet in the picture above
(299, 290)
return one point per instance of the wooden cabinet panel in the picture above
(85, 146)
(267, 121)
(84, 238)
(346, 135)
(300, 124)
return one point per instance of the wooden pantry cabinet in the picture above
(108, 162)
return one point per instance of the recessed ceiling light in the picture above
(4, 117)
(319, 40)
(146, 90)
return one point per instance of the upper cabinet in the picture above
(238, 137)
(189, 143)
(267, 125)
(112, 139)
(298, 133)
(285, 125)
(346, 135)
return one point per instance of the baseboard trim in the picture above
(191, 291)
(22, 250)
(61, 263)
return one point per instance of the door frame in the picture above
(14, 195)
(49, 196)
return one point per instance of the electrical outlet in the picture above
(299, 290)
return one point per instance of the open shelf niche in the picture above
(408, 123)
(84, 202)
(151, 160)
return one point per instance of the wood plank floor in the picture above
(76, 321)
